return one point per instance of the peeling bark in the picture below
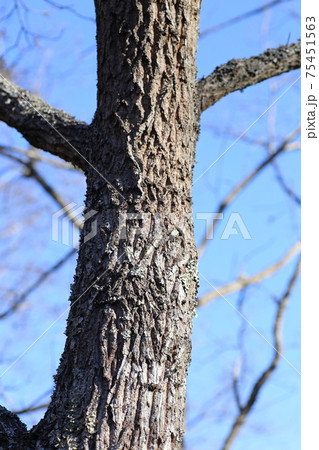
(238, 74)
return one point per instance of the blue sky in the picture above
(63, 71)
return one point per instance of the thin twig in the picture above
(279, 177)
(32, 172)
(246, 409)
(243, 281)
(239, 188)
(70, 9)
(243, 16)
(22, 298)
(35, 155)
(31, 409)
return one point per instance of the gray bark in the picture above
(122, 375)
(44, 127)
(12, 431)
(121, 381)
(237, 74)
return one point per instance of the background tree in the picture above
(219, 84)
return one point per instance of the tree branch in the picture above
(243, 281)
(239, 188)
(42, 126)
(246, 409)
(31, 409)
(36, 155)
(22, 298)
(243, 16)
(31, 171)
(238, 74)
(281, 181)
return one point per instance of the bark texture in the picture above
(12, 430)
(237, 74)
(44, 127)
(121, 381)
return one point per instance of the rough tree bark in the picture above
(121, 379)
(43, 126)
(129, 328)
(237, 74)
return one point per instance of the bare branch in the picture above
(243, 16)
(243, 281)
(36, 405)
(32, 409)
(279, 177)
(266, 374)
(237, 189)
(236, 384)
(70, 9)
(22, 298)
(293, 146)
(36, 155)
(254, 141)
(32, 172)
(42, 126)
(238, 74)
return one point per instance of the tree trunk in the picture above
(121, 380)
